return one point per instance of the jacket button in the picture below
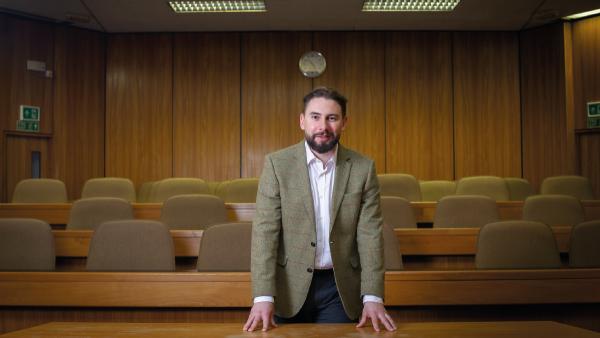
(331, 242)
(309, 270)
(313, 244)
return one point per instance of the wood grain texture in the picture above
(487, 124)
(78, 142)
(5, 75)
(547, 140)
(419, 112)
(139, 119)
(206, 105)
(18, 159)
(586, 53)
(356, 68)
(272, 92)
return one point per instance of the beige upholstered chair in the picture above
(433, 191)
(518, 188)
(576, 186)
(193, 212)
(584, 250)
(391, 249)
(144, 191)
(465, 211)
(491, 186)
(397, 212)
(89, 213)
(553, 210)
(40, 190)
(399, 185)
(225, 247)
(109, 187)
(241, 190)
(169, 187)
(133, 245)
(26, 245)
(213, 187)
(516, 245)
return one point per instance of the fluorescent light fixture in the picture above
(409, 5)
(216, 6)
(582, 15)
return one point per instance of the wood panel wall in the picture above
(139, 107)
(206, 106)
(272, 91)
(19, 147)
(356, 67)
(487, 122)
(78, 139)
(419, 114)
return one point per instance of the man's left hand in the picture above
(376, 312)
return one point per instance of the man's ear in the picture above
(302, 121)
(344, 121)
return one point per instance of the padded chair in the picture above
(240, 190)
(553, 210)
(169, 187)
(516, 245)
(26, 244)
(213, 187)
(225, 247)
(433, 191)
(399, 185)
(491, 186)
(576, 186)
(391, 250)
(109, 187)
(89, 213)
(584, 250)
(144, 192)
(193, 212)
(518, 188)
(465, 211)
(133, 245)
(40, 190)
(397, 212)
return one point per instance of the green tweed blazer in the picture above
(284, 227)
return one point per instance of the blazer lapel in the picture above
(342, 174)
(301, 172)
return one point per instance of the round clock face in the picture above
(312, 64)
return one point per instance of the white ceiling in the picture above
(296, 15)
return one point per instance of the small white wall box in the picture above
(593, 113)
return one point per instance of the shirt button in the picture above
(313, 244)
(310, 270)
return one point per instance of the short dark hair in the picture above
(328, 93)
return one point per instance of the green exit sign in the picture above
(26, 125)
(29, 113)
(593, 112)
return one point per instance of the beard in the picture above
(323, 147)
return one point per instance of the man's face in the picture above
(323, 124)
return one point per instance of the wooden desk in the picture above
(537, 329)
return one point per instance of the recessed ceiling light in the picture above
(409, 5)
(208, 6)
(582, 15)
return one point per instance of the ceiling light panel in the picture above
(409, 5)
(582, 15)
(218, 6)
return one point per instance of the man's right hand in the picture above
(261, 312)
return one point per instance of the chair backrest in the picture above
(465, 211)
(89, 213)
(193, 212)
(109, 187)
(397, 212)
(576, 186)
(399, 185)
(26, 245)
(516, 245)
(133, 245)
(391, 249)
(584, 250)
(433, 191)
(144, 191)
(240, 190)
(225, 247)
(518, 188)
(40, 190)
(553, 210)
(491, 186)
(213, 186)
(170, 187)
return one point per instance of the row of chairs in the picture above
(497, 188)
(244, 190)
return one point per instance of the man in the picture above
(317, 249)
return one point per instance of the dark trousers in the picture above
(323, 303)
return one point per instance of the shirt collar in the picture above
(310, 156)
